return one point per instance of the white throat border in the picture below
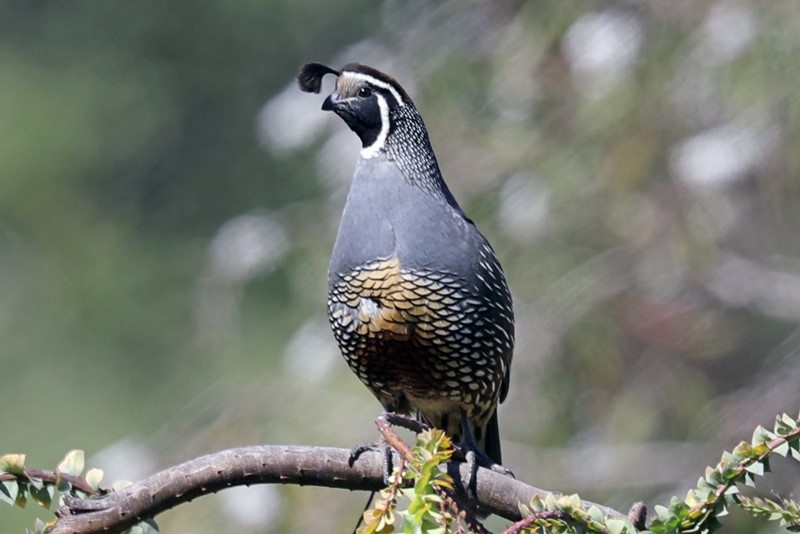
(372, 150)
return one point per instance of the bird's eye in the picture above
(365, 92)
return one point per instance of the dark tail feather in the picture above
(491, 440)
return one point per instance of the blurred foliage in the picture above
(168, 200)
(20, 485)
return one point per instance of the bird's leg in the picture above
(389, 417)
(475, 457)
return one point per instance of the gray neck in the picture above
(409, 146)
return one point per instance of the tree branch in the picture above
(269, 464)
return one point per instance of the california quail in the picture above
(417, 300)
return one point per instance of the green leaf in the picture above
(62, 485)
(662, 511)
(72, 464)
(784, 426)
(743, 451)
(618, 526)
(12, 463)
(756, 468)
(705, 484)
(22, 494)
(93, 477)
(43, 496)
(782, 449)
(596, 514)
(149, 526)
(9, 490)
(537, 505)
(761, 436)
(728, 464)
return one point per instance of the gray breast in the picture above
(387, 216)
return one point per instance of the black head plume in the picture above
(310, 76)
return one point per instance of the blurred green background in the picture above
(169, 198)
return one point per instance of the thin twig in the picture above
(50, 477)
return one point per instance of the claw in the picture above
(358, 450)
(386, 460)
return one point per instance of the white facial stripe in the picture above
(377, 83)
(371, 150)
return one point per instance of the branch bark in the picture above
(270, 464)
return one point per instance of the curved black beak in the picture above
(331, 102)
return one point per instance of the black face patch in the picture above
(363, 116)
